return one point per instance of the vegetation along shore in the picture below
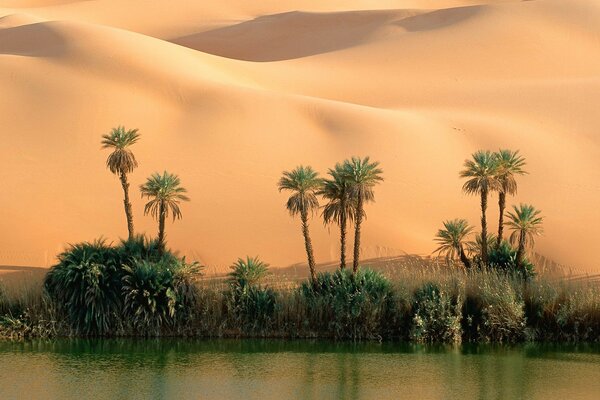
(482, 286)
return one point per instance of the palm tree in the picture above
(122, 162)
(452, 240)
(303, 183)
(165, 194)
(361, 175)
(340, 207)
(511, 164)
(481, 172)
(476, 246)
(525, 222)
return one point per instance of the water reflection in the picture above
(266, 369)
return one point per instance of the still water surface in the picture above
(248, 369)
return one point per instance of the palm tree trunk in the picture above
(343, 221)
(463, 257)
(359, 215)
(127, 204)
(484, 250)
(308, 245)
(501, 206)
(161, 229)
(521, 250)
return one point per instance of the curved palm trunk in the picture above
(343, 221)
(463, 258)
(127, 204)
(501, 206)
(308, 245)
(161, 228)
(359, 215)
(484, 250)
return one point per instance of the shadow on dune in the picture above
(298, 34)
(33, 40)
(289, 35)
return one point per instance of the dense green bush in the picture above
(346, 305)
(156, 295)
(250, 305)
(86, 283)
(504, 258)
(436, 315)
(96, 285)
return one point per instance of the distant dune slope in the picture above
(229, 94)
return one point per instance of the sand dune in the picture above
(229, 94)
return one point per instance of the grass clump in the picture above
(436, 315)
(346, 305)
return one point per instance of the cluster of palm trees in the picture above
(488, 172)
(349, 186)
(164, 191)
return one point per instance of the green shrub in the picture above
(504, 258)
(86, 283)
(436, 315)
(143, 248)
(156, 295)
(350, 306)
(251, 306)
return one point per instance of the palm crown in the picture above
(304, 183)
(121, 160)
(525, 222)
(510, 163)
(163, 190)
(340, 205)
(452, 237)
(362, 175)
(481, 172)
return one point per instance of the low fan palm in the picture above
(361, 175)
(165, 194)
(525, 223)
(481, 172)
(304, 183)
(340, 207)
(122, 162)
(510, 165)
(451, 240)
(248, 272)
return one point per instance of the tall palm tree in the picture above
(362, 176)
(122, 162)
(165, 194)
(303, 183)
(525, 222)
(510, 165)
(452, 240)
(481, 172)
(340, 207)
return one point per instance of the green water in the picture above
(227, 369)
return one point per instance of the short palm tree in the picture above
(122, 162)
(481, 172)
(303, 183)
(525, 223)
(165, 194)
(248, 272)
(510, 165)
(452, 240)
(340, 207)
(362, 175)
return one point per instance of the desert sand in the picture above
(230, 93)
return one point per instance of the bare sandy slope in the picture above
(228, 94)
